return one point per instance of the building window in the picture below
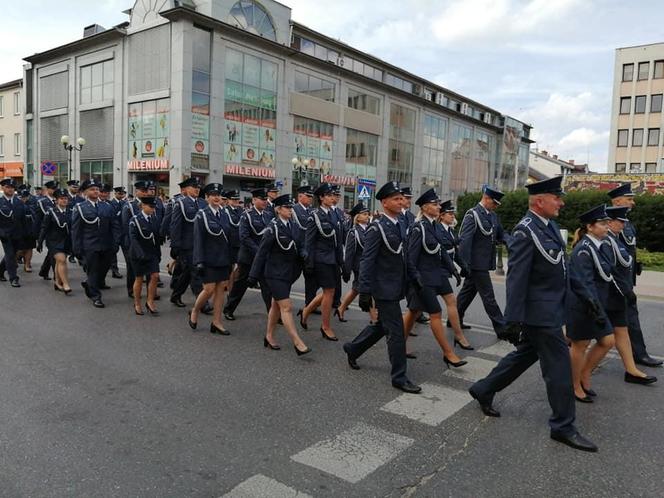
(251, 17)
(17, 144)
(637, 137)
(200, 98)
(397, 82)
(363, 102)
(656, 103)
(659, 70)
(97, 82)
(644, 70)
(625, 105)
(434, 172)
(635, 167)
(314, 147)
(101, 170)
(2, 106)
(361, 160)
(2, 145)
(17, 103)
(401, 144)
(651, 167)
(314, 86)
(628, 72)
(622, 138)
(640, 104)
(461, 144)
(250, 110)
(653, 136)
(620, 167)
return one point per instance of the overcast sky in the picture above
(546, 62)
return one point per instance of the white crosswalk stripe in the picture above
(355, 453)
(434, 405)
(500, 348)
(476, 369)
(260, 486)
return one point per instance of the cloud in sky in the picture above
(547, 62)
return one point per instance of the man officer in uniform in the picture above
(536, 289)
(45, 203)
(480, 232)
(383, 278)
(95, 234)
(272, 193)
(301, 213)
(117, 202)
(13, 226)
(623, 196)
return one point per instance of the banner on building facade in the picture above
(149, 165)
(642, 183)
(251, 171)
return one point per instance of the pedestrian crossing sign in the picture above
(363, 192)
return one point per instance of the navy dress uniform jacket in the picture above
(383, 271)
(354, 249)
(144, 238)
(55, 231)
(42, 207)
(12, 218)
(211, 243)
(427, 261)
(94, 228)
(479, 233)
(233, 214)
(278, 253)
(323, 239)
(185, 210)
(628, 237)
(450, 246)
(300, 217)
(165, 229)
(537, 274)
(252, 227)
(129, 210)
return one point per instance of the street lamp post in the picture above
(70, 148)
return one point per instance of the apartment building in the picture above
(11, 129)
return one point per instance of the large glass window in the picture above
(483, 154)
(651, 167)
(400, 83)
(314, 86)
(200, 100)
(659, 70)
(363, 102)
(461, 143)
(97, 82)
(644, 70)
(637, 137)
(622, 138)
(401, 144)
(621, 167)
(250, 110)
(625, 105)
(656, 103)
(640, 104)
(434, 173)
(252, 17)
(653, 136)
(628, 72)
(313, 143)
(101, 170)
(361, 162)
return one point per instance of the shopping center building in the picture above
(235, 91)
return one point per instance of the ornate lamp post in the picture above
(71, 148)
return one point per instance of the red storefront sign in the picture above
(253, 171)
(149, 165)
(346, 181)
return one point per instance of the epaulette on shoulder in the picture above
(526, 221)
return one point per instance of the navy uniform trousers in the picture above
(479, 282)
(240, 287)
(549, 347)
(635, 333)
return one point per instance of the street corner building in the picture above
(237, 92)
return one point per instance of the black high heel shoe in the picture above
(339, 315)
(216, 330)
(193, 325)
(56, 288)
(67, 291)
(458, 364)
(152, 311)
(138, 310)
(325, 336)
(467, 348)
(589, 392)
(300, 353)
(303, 324)
(267, 344)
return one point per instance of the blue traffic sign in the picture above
(48, 168)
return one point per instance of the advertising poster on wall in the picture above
(232, 152)
(148, 129)
(200, 134)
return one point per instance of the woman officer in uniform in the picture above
(55, 231)
(277, 261)
(353, 254)
(323, 257)
(212, 257)
(426, 259)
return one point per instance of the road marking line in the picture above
(355, 453)
(260, 486)
(500, 348)
(435, 404)
(476, 369)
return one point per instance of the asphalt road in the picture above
(106, 403)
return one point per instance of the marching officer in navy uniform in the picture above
(252, 226)
(96, 236)
(353, 249)
(277, 265)
(383, 278)
(185, 210)
(13, 226)
(117, 202)
(301, 212)
(480, 232)
(622, 196)
(129, 210)
(56, 232)
(144, 252)
(536, 294)
(75, 196)
(272, 193)
(406, 213)
(44, 203)
(233, 211)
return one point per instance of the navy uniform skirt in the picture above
(143, 267)
(280, 289)
(427, 299)
(215, 274)
(326, 275)
(581, 326)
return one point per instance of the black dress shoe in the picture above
(648, 361)
(576, 441)
(105, 287)
(228, 315)
(328, 337)
(14, 283)
(86, 289)
(463, 325)
(423, 319)
(585, 399)
(408, 387)
(486, 408)
(303, 324)
(130, 294)
(192, 325)
(269, 345)
(177, 302)
(116, 274)
(97, 303)
(411, 356)
(352, 362)
(635, 379)
(160, 284)
(216, 330)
